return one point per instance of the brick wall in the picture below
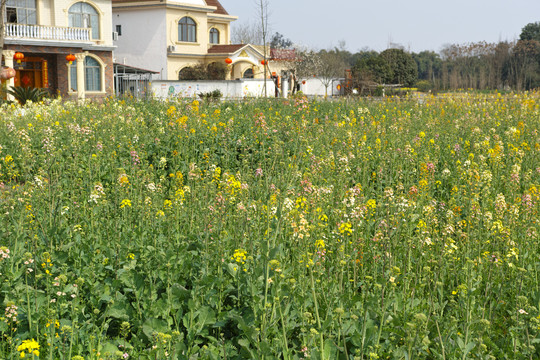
(58, 70)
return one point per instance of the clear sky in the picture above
(416, 24)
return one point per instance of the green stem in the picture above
(321, 338)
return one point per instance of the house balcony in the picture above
(28, 32)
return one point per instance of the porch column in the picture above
(81, 93)
(8, 59)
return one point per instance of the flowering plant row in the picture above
(277, 230)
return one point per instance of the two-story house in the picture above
(167, 36)
(45, 32)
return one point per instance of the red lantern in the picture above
(304, 82)
(70, 58)
(264, 62)
(228, 61)
(18, 56)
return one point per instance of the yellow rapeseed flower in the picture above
(28, 346)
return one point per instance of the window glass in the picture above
(187, 30)
(21, 11)
(84, 15)
(248, 74)
(73, 76)
(214, 36)
(92, 75)
(92, 72)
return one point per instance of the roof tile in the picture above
(225, 49)
(220, 9)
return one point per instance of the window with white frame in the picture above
(83, 15)
(92, 75)
(21, 11)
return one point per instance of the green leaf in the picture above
(330, 350)
(153, 325)
(468, 348)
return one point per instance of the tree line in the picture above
(503, 65)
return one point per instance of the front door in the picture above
(32, 72)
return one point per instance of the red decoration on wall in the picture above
(228, 61)
(26, 80)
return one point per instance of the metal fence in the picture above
(131, 81)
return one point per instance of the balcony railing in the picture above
(42, 32)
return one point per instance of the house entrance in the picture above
(32, 72)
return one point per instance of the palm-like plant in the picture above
(25, 94)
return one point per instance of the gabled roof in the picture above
(220, 9)
(225, 49)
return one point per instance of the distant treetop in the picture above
(531, 31)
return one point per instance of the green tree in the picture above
(530, 31)
(429, 65)
(402, 67)
(280, 42)
(370, 66)
(202, 71)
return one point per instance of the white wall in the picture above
(315, 87)
(229, 89)
(143, 40)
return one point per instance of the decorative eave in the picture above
(44, 44)
(185, 55)
(220, 17)
(133, 4)
(192, 7)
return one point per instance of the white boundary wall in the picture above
(315, 87)
(229, 88)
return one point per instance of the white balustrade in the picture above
(41, 32)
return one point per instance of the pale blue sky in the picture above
(416, 24)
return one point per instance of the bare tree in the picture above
(263, 14)
(246, 33)
(329, 66)
(303, 64)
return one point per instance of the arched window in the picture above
(92, 75)
(214, 36)
(187, 30)
(84, 15)
(248, 74)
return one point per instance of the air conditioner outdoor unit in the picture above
(172, 48)
(115, 36)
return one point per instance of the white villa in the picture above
(167, 36)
